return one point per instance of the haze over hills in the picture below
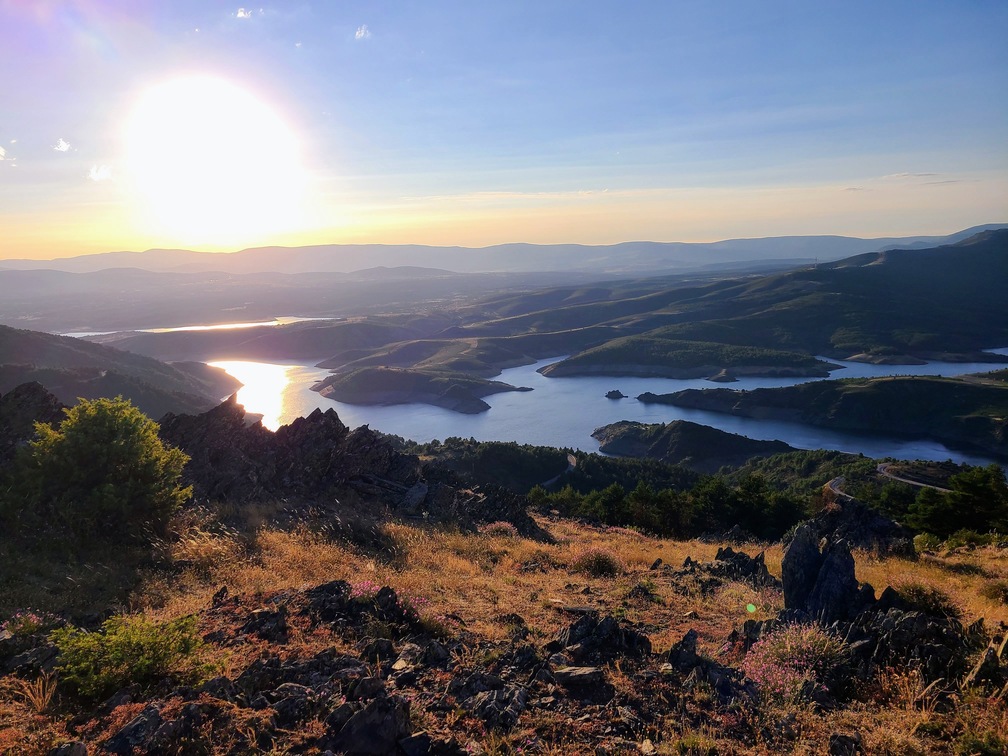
(628, 257)
(900, 306)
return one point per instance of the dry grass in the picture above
(964, 576)
(476, 578)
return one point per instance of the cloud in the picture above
(3, 153)
(362, 32)
(906, 175)
(242, 13)
(62, 145)
(100, 173)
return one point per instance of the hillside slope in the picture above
(72, 368)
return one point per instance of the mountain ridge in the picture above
(633, 256)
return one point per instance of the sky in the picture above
(128, 125)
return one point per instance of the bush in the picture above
(103, 471)
(499, 529)
(997, 590)
(597, 563)
(926, 542)
(981, 744)
(28, 622)
(127, 650)
(793, 660)
(928, 598)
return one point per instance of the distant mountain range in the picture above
(612, 259)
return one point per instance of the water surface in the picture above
(563, 412)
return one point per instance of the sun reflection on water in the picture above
(263, 390)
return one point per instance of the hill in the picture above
(896, 306)
(680, 442)
(380, 385)
(72, 368)
(959, 412)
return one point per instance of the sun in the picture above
(212, 164)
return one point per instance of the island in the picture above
(383, 385)
(680, 442)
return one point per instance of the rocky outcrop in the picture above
(317, 457)
(20, 409)
(850, 520)
(819, 585)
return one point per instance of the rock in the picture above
(414, 497)
(683, 655)
(800, 567)
(378, 650)
(834, 593)
(436, 655)
(865, 528)
(268, 624)
(73, 748)
(366, 688)
(586, 683)
(220, 687)
(417, 744)
(499, 709)
(737, 565)
(42, 658)
(376, 729)
(987, 672)
(328, 602)
(135, 734)
(590, 638)
(845, 745)
(615, 394)
(477, 682)
(20, 409)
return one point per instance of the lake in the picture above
(563, 412)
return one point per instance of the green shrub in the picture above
(129, 649)
(103, 472)
(597, 563)
(985, 744)
(926, 542)
(971, 539)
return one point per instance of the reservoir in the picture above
(563, 412)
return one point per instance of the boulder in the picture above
(376, 729)
(590, 638)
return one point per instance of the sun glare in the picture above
(211, 163)
(263, 389)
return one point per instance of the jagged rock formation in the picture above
(820, 585)
(315, 458)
